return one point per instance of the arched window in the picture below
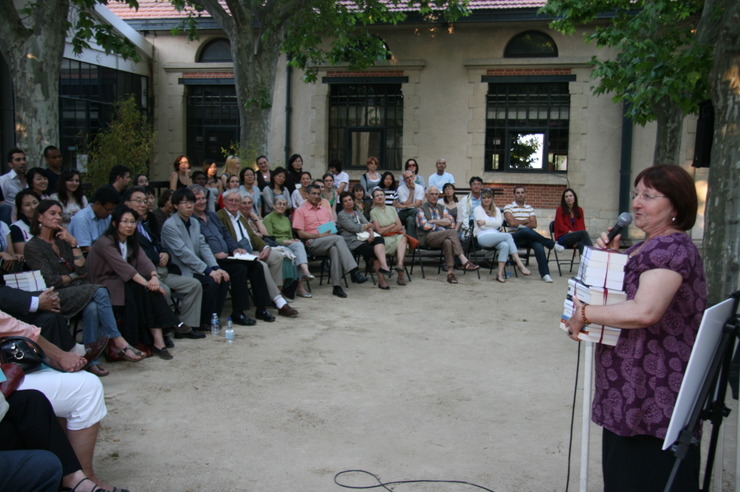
(216, 50)
(531, 44)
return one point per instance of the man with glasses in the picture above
(521, 222)
(409, 199)
(187, 289)
(307, 219)
(190, 253)
(91, 222)
(222, 246)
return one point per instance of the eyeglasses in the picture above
(644, 196)
(138, 200)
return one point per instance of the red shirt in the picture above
(308, 217)
(565, 224)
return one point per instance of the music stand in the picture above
(703, 390)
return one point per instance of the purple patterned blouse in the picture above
(637, 381)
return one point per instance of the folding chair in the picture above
(575, 248)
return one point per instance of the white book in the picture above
(243, 257)
(598, 296)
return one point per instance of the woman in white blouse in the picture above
(488, 221)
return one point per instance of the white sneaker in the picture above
(547, 279)
(559, 248)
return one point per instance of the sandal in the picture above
(500, 279)
(398, 268)
(525, 271)
(451, 278)
(470, 267)
(98, 370)
(122, 354)
(94, 489)
(400, 280)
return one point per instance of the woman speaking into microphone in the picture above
(637, 381)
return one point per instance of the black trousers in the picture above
(638, 464)
(240, 272)
(214, 297)
(31, 424)
(53, 327)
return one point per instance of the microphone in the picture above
(623, 221)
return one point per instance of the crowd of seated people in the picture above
(137, 267)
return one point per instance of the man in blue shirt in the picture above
(91, 222)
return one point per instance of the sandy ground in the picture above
(470, 382)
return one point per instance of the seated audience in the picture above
(55, 252)
(351, 224)
(440, 177)
(387, 224)
(413, 166)
(248, 178)
(363, 203)
(232, 167)
(189, 251)
(277, 188)
(232, 183)
(74, 396)
(340, 178)
(53, 160)
(488, 222)
(200, 179)
(180, 176)
(300, 194)
(11, 262)
(329, 193)
(436, 229)
(188, 290)
(467, 205)
(117, 262)
(388, 185)
(38, 181)
(410, 196)
(119, 178)
(226, 235)
(162, 213)
(30, 426)
(213, 180)
(278, 227)
(371, 178)
(449, 201)
(69, 194)
(26, 202)
(521, 223)
(295, 169)
(140, 180)
(91, 222)
(570, 224)
(306, 221)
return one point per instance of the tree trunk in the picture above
(668, 137)
(722, 225)
(34, 59)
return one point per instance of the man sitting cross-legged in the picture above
(222, 246)
(306, 221)
(436, 229)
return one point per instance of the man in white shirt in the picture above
(521, 222)
(14, 180)
(467, 205)
(440, 178)
(409, 198)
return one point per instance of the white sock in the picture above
(78, 349)
(279, 301)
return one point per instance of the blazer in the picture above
(257, 242)
(188, 248)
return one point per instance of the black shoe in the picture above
(385, 272)
(264, 315)
(168, 341)
(163, 353)
(192, 334)
(241, 319)
(357, 277)
(203, 327)
(339, 292)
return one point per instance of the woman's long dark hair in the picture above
(393, 182)
(68, 174)
(444, 197)
(564, 206)
(275, 172)
(132, 242)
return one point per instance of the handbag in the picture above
(363, 236)
(23, 352)
(412, 241)
(13, 378)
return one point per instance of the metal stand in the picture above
(710, 403)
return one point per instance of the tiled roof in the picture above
(162, 9)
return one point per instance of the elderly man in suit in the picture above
(190, 253)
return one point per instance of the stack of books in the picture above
(599, 282)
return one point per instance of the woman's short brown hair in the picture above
(678, 186)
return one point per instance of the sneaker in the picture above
(559, 248)
(547, 278)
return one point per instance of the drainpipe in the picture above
(625, 162)
(288, 108)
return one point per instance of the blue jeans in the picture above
(570, 239)
(527, 237)
(98, 319)
(32, 470)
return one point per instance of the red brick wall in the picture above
(539, 196)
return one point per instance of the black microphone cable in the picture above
(573, 414)
(385, 485)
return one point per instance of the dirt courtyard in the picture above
(471, 382)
